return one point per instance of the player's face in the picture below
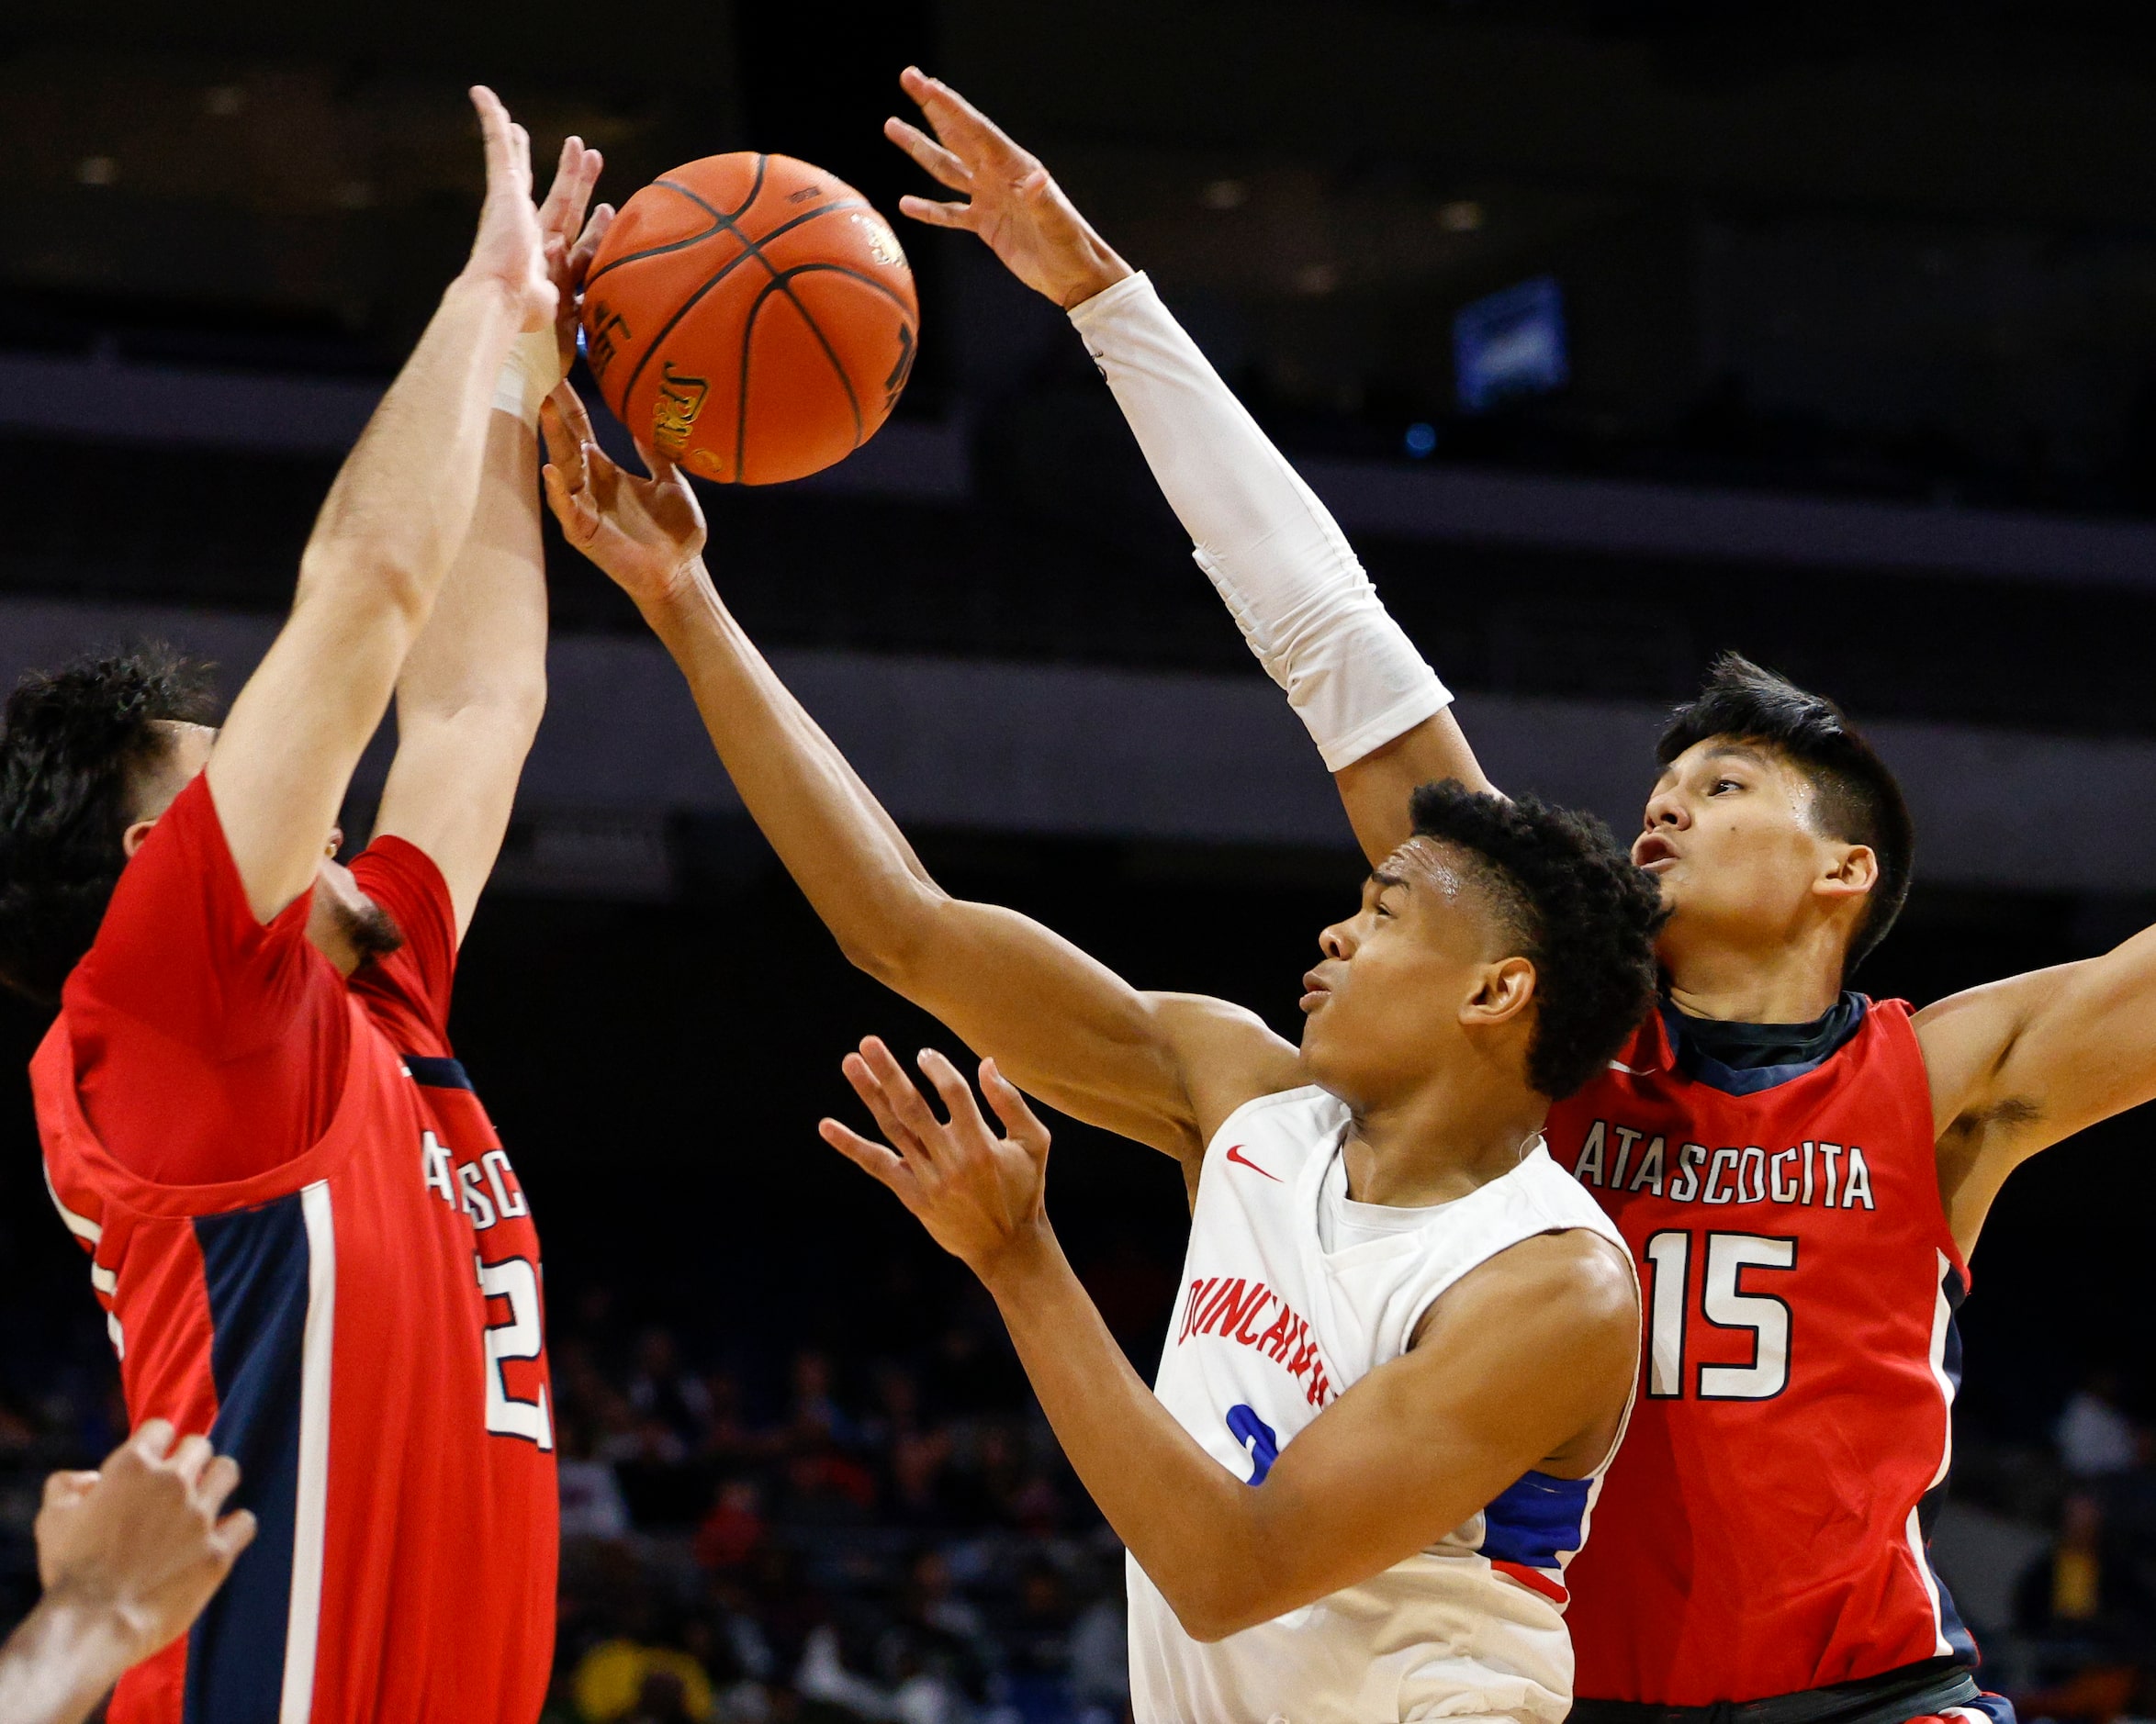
(1729, 836)
(1403, 980)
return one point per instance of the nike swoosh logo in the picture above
(1235, 1154)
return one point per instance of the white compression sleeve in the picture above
(1289, 578)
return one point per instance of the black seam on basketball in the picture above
(721, 221)
(755, 187)
(784, 285)
(741, 391)
(781, 281)
(852, 274)
(750, 249)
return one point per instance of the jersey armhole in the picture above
(1896, 1019)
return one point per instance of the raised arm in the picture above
(2015, 1066)
(1408, 1453)
(1379, 716)
(474, 685)
(396, 517)
(1162, 1068)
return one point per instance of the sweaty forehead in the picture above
(1425, 864)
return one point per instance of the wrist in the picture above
(485, 293)
(99, 1630)
(1022, 1263)
(675, 596)
(1102, 270)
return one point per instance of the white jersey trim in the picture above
(317, 1352)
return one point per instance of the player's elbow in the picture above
(892, 935)
(362, 583)
(1230, 1589)
(1216, 1608)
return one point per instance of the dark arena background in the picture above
(1615, 334)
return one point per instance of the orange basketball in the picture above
(751, 318)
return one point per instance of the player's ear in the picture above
(131, 839)
(1850, 874)
(1503, 990)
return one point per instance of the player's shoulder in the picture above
(1298, 1119)
(1540, 1188)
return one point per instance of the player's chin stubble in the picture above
(373, 931)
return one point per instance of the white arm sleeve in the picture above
(1289, 578)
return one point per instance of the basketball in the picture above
(751, 318)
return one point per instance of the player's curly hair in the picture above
(1583, 915)
(1854, 795)
(71, 745)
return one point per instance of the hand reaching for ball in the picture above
(647, 534)
(569, 241)
(509, 251)
(1011, 201)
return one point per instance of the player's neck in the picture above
(1441, 1142)
(1784, 985)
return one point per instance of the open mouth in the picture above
(1315, 991)
(1653, 853)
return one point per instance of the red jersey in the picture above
(1761, 1529)
(354, 1318)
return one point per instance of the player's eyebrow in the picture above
(1737, 751)
(1381, 879)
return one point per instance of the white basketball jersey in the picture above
(1292, 1291)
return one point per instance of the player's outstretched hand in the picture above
(509, 248)
(143, 1541)
(1010, 200)
(569, 240)
(647, 535)
(978, 1193)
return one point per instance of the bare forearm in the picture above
(367, 583)
(836, 839)
(402, 503)
(1192, 1526)
(485, 642)
(60, 1663)
(474, 686)
(1375, 790)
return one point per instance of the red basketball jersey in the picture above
(360, 1328)
(1761, 1529)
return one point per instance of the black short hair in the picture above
(72, 744)
(1854, 796)
(1582, 914)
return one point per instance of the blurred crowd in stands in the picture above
(854, 1536)
(885, 1538)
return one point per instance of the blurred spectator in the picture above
(2095, 1438)
(823, 1677)
(733, 1530)
(827, 1488)
(592, 1506)
(1100, 1652)
(729, 1436)
(814, 1418)
(622, 1679)
(1038, 1634)
(664, 1394)
(2080, 1601)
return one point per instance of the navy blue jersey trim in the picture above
(1956, 1631)
(1536, 1521)
(254, 1265)
(436, 1074)
(1704, 1068)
